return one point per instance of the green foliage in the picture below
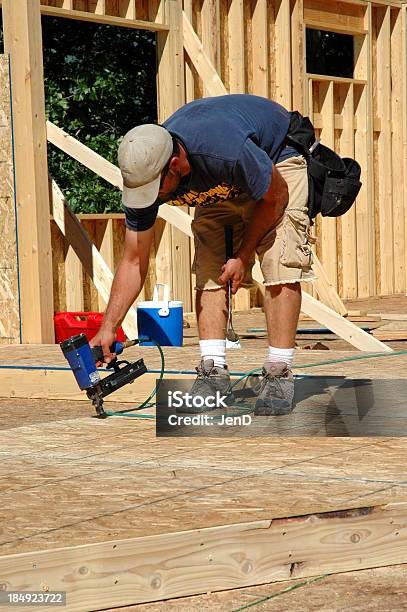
(99, 83)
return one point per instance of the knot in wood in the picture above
(355, 538)
(155, 582)
(247, 566)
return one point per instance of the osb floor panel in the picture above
(67, 479)
(365, 397)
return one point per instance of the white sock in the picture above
(280, 355)
(214, 349)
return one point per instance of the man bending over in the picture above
(228, 157)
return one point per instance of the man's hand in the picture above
(104, 338)
(235, 271)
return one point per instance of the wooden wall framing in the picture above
(22, 40)
(363, 252)
(257, 47)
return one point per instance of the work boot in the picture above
(276, 394)
(209, 381)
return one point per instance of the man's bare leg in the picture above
(282, 305)
(211, 313)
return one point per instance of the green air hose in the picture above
(148, 404)
(330, 362)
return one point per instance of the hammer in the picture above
(231, 335)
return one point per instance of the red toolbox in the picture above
(69, 324)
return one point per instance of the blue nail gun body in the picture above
(82, 360)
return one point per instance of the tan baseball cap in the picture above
(143, 154)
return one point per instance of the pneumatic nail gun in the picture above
(83, 359)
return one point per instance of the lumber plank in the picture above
(104, 242)
(180, 278)
(259, 43)
(237, 84)
(329, 254)
(73, 282)
(335, 17)
(398, 101)
(60, 384)
(171, 95)
(84, 155)
(9, 293)
(236, 37)
(384, 169)
(327, 293)
(282, 42)
(123, 22)
(201, 62)
(299, 84)
(151, 568)
(348, 221)
(189, 73)
(210, 34)
(335, 79)
(23, 41)
(365, 220)
(389, 335)
(404, 126)
(181, 266)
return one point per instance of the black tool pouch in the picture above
(334, 182)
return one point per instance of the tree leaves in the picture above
(99, 83)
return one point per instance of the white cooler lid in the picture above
(151, 304)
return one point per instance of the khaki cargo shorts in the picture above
(284, 252)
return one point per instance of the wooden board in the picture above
(338, 17)
(9, 291)
(112, 20)
(59, 384)
(22, 40)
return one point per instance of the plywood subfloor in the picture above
(359, 397)
(66, 479)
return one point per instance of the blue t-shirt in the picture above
(232, 142)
